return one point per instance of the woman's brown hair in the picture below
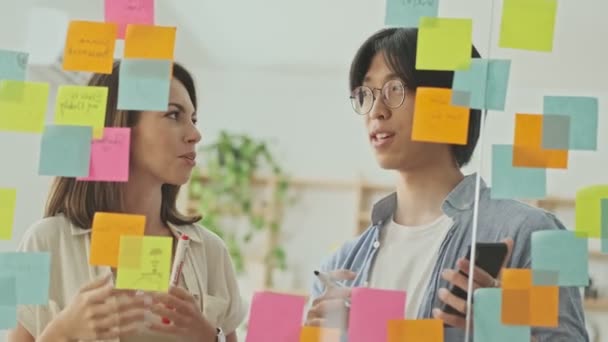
(79, 200)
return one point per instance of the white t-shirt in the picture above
(406, 258)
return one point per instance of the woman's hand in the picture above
(481, 279)
(187, 320)
(331, 310)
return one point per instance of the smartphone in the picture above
(490, 257)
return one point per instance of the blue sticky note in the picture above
(487, 311)
(556, 132)
(13, 65)
(583, 112)
(604, 221)
(65, 151)
(509, 181)
(407, 13)
(561, 251)
(32, 273)
(8, 302)
(487, 80)
(144, 84)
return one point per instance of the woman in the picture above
(82, 302)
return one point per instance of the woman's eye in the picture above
(172, 115)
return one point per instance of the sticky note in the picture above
(544, 306)
(46, 32)
(65, 151)
(269, 308)
(487, 311)
(23, 106)
(8, 302)
(525, 304)
(13, 65)
(583, 113)
(427, 330)
(370, 312)
(407, 13)
(82, 106)
(561, 251)
(437, 120)
(528, 150)
(528, 24)
(89, 47)
(124, 12)
(149, 41)
(444, 44)
(144, 84)
(556, 132)
(319, 334)
(515, 182)
(8, 201)
(588, 211)
(105, 235)
(486, 81)
(32, 271)
(110, 156)
(604, 224)
(154, 266)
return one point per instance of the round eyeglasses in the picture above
(362, 98)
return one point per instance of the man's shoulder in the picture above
(515, 214)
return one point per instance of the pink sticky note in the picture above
(124, 12)
(110, 156)
(370, 312)
(275, 317)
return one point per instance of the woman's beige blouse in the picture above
(208, 275)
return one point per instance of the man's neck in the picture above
(143, 197)
(421, 192)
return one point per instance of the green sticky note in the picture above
(407, 13)
(509, 181)
(604, 223)
(487, 311)
(444, 44)
(65, 151)
(8, 201)
(561, 251)
(144, 84)
(8, 302)
(13, 65)
(23, 106)
(32, 273)
(486, 81)
(528, 24)
(82, 106)
(583, 113)
(588, 211)
(556, 132)
(154, 265)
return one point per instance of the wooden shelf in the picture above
(596, 305)
(595, 255)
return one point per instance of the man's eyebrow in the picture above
(387, 78)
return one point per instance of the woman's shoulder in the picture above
(45, 232)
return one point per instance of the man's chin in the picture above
(387, 163)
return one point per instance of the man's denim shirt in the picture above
(498, 219)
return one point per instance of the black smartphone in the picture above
(490, 257)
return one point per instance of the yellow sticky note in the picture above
(8, 200)
(106, 232)
(588, 211)
(149, 41)
(444, 44)
(23, 106)
(437, 120)
(89, 47)
(427, 330)
(528, 24)
(82, 106)
(154, 264)
(319, 334)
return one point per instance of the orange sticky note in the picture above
(150, 42)
(544, 306)
(527, 147)
(319, 334)
(437, 120)
(89, 47)
(427, 330)
(106, 232)
(525, 304)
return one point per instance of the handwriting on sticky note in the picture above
(65, 151)
(407, 13)
(319, 334)
(110, 156)
(268, 308)
(82, 106)
(23, 106)
(444, 44)
(32, 271)
(154, 263)
(437, 120)
(563, 252)
(150, 42)
(106, 232)
(427, 330)
(13, 65)
(588, 211)
(515, 182)
(144, 84)
(8, 201)
(528, 150)
(89, 47)
(370, 312)
(487, 311)
(124, 12)
(528, 24)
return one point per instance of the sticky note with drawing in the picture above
(8, 201)
(124, 12)
(65, 151)
(150, 42)
(106, 232)
(144, 263)
(407, 13)
(89, 47)
(437, 120)
(32, 271)
(110, 156)
(23, 106)
(13, 65)
(82, 106)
